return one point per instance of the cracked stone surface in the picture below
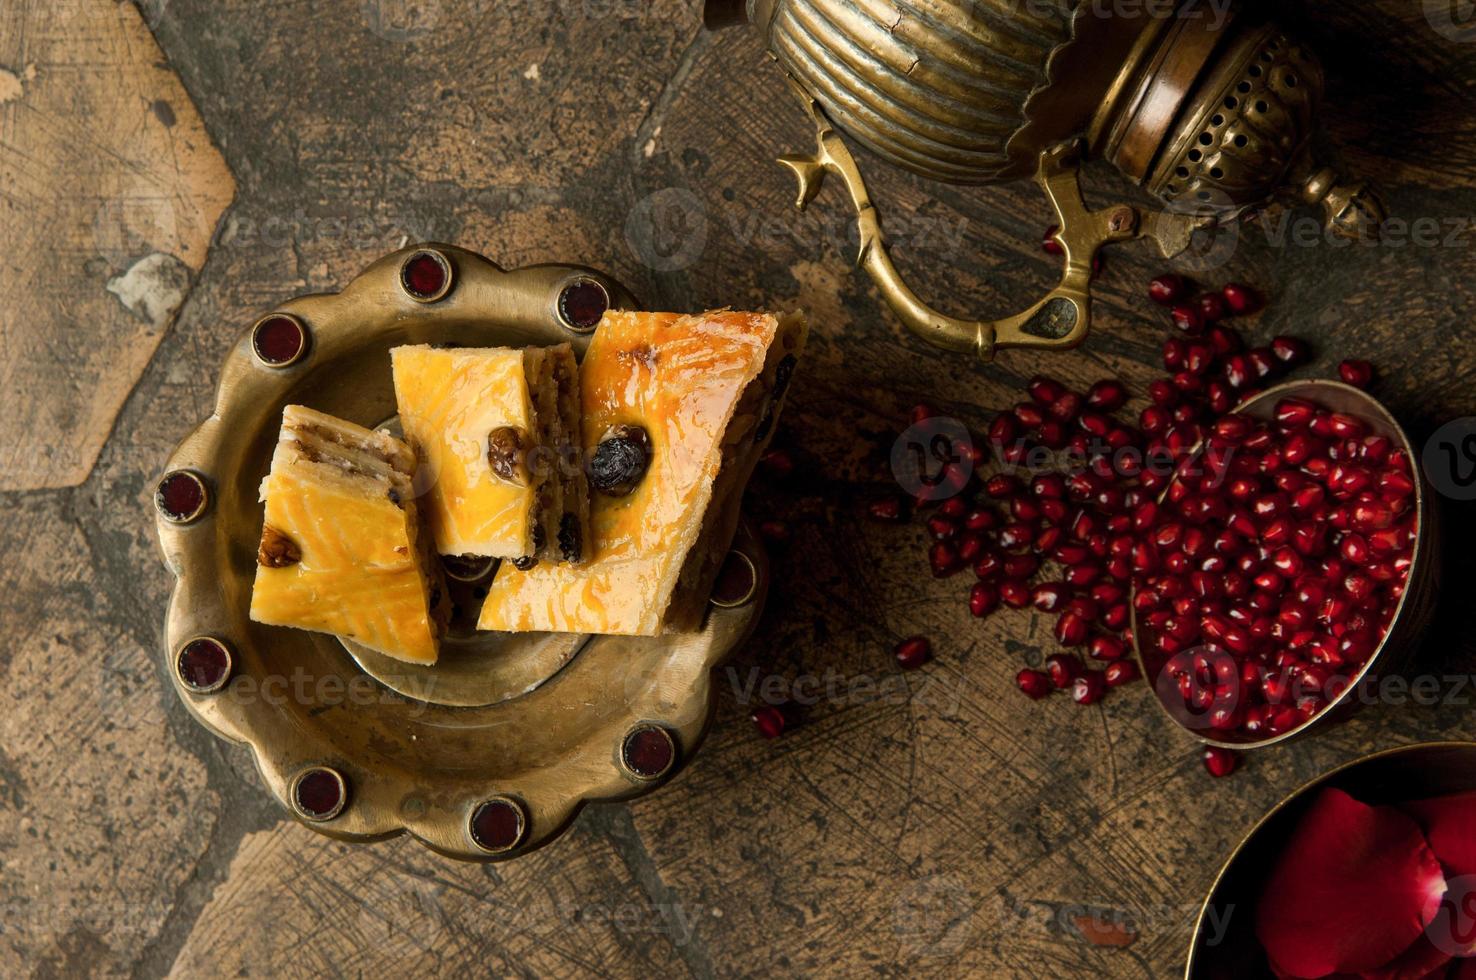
(107, 183)
(933, 824)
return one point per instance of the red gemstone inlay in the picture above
(649, 752)
(497, 825)
(583, 303)
(320, 793)
(279, 340)
(734, 585)
(204, 664)
(181, 496)
(423, 275)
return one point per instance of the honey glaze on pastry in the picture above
(479, 421)
(341, 549)
(676, 411)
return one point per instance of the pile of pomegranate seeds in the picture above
(1275, 566)
(1311, 516)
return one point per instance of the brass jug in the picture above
(1208, 107)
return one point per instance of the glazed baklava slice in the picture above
(676, 410)
(342, 550)
(484, 425)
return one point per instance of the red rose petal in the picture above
(1449, 823)
(1415, 963)
(1354, 888)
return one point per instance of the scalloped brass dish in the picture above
(492, 752)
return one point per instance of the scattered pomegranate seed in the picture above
(914, 652)
(1359, 374)
(1189, 319)
(1241, 299)
(1168, 289)
(921, 412)
(1063, 669)
(1089, 687)
(1291, 351)
(1220, 762)
(1211, 308)
(983, 599)
(769, 720)
(1034, 684)
(774, 532)
(778, 462)
(1121, 672)
(1281, 555)
(1050, 243)
(888, 510)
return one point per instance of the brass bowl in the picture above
(522, 728)
(1229, 950)
(1416, 607)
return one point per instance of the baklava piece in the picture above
(342, 550)
(485, 425)
(676, 410)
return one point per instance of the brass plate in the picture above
(533, 718)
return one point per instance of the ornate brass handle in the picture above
(1059, 320)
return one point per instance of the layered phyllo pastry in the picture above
(676, 410)
(492, 429)
(342, 549)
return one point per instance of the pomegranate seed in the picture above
(1089, 687)
(778, 462)
(941, 528)
(912, 653)
(1359, 374)
(1063, 669)
(1029, 415)
(1121, 672)
(1034, 684)
(1072, 629)
(1291, 351)
(1045, 390)
(943, 559)
(1107, 648)
(1014, 594)
(1241, 299)
(1211, 307)
(1021, 567)
(983, 599)
(1168, 289)
(769, 720)
(1188, 318)
(921, 412)
(774, 532)
(1002, 430)
(1002, 487)
(887, 511)
(1050, 244)
(1107, 395)
(1220, 762)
